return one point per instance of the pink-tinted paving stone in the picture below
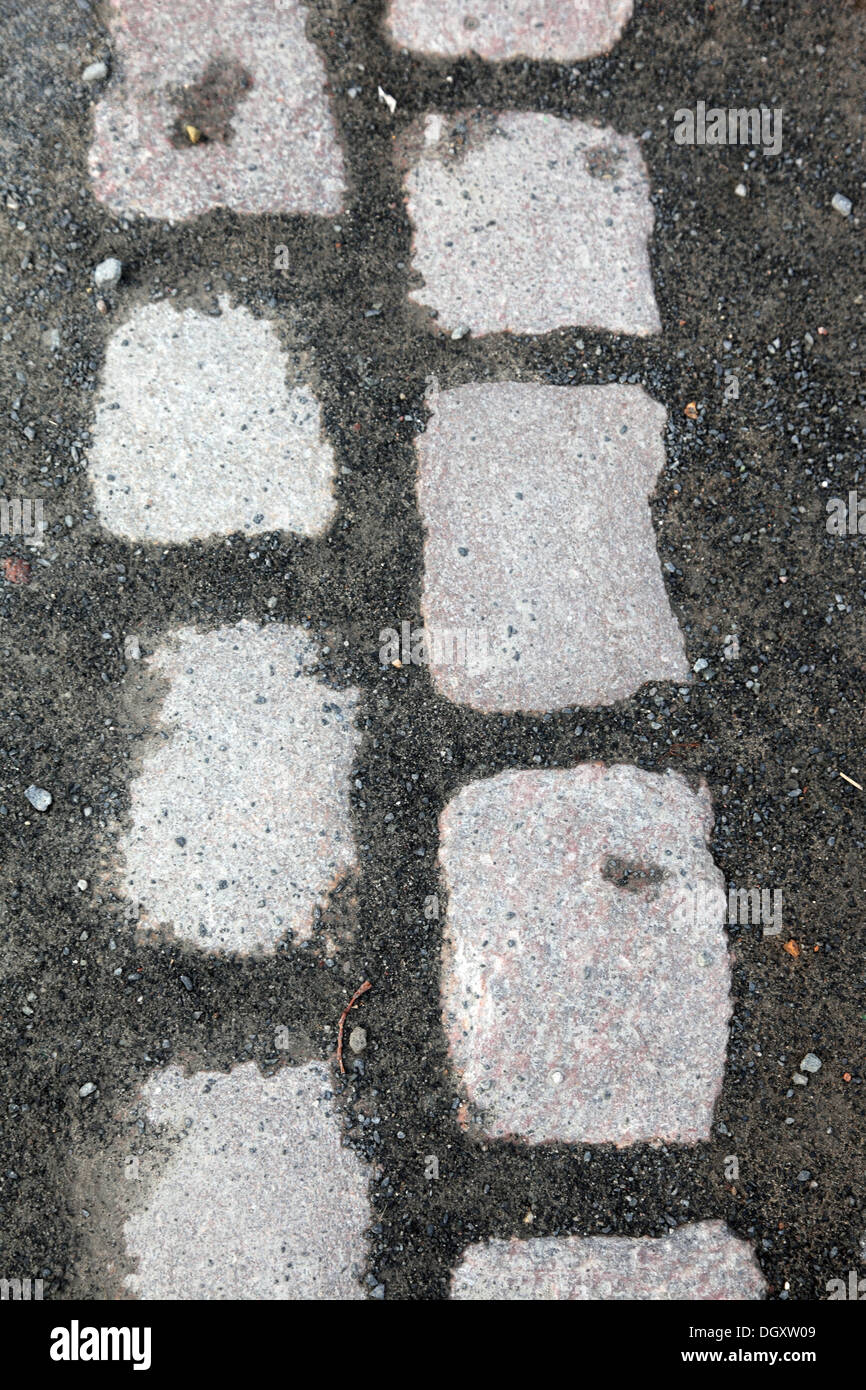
(580, 1001)
(524, 222)
(539, 532)
(258, 1200)
(704, 1261)
(240, 822)
(563, 31)
(183, 448)
(215, 103)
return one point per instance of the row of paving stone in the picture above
(280, 1209)
(244, 77)
(611, 1030)
(539, 544)
(585, 979)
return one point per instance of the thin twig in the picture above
(343, 1016)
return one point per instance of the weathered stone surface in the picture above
(704, 1261)
(581, 1002)
(562, 31)
(197, 434)
(525, 222)
(538, 531)
(215, 103)
(240, 815)
(259, 1200)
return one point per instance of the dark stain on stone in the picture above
(631, 874)
(208, 105)
(602, 161)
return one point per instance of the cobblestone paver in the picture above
(704, 1261)
(259, 1200)
(240, 817)
(579, 1000)
(539, 534)
(216, 103)
(561, 30)
(525, 222)
(183, 448)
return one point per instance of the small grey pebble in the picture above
(87, 1089)
(804, 1175)
(461, 331)
(800, 1080)
(379, 1291)
(186, 981)
(94, 72)
(840, 203)
(810, 1063)
(107, 273)
(39, 797)
(358, 1039)
(131, 648)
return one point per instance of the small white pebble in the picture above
(39, 797)
(389, 101)
(841, 204)
(81, 885)
(108, 273)
(94, 72)
(741, 190)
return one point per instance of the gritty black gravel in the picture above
(767, 286)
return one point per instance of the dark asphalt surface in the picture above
(740, 514)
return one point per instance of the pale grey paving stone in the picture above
(525, 222)
(240, 819)
(539, 533)
(197, 434)
(704, 1261)
(562, 31)
(243, 73)
(576, 1008)
(259, 1199)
